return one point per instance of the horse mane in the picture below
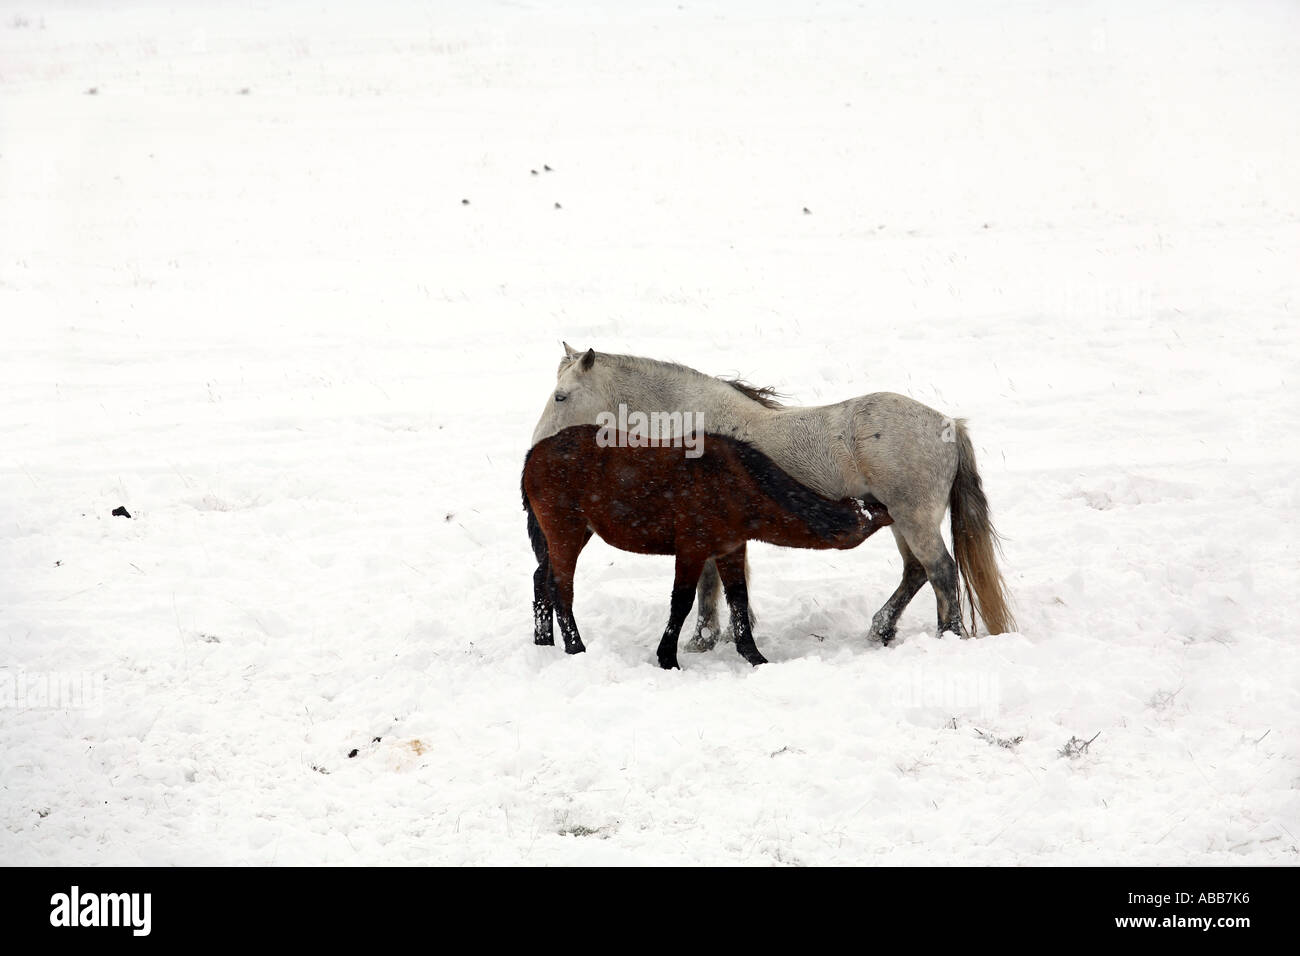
(825, 518)
(766, 395)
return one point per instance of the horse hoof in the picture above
(544, 641)
(756, 659)
(702, 642)
(669, 664)
(575, 648)
(884, 637)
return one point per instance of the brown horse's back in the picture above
(633, 498)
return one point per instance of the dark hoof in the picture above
(884, 637)
(756, 659)
(669, 664)
(544, 641)
(577, 647)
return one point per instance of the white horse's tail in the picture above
(976, 545)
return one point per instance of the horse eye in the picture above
(560, 396)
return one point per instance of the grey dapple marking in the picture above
(911, 458)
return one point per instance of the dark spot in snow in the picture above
(464, 202)
(352, 753)
(376, 740)
(120, 512)
(533, 171)
(807, 211)
(58, 564)
(448, 516)
(548, 169)
(558, 206)
(93, 91)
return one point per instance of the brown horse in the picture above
(654, 499)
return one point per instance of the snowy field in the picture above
(288, 282)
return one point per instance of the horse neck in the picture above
(786, 529)
(783, 433)
(672, 389)
(793, 529)
(791, 514)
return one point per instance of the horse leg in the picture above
(884, 625)
(543, 608)
(927, 544)
(687, 576)
(564, 561)
(707, 629)
(731, 567)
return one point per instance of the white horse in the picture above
(883, 446)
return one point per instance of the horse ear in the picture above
(589, 360)
(569, 352)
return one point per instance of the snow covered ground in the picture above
(281, 280)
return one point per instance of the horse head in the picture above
(580, 394)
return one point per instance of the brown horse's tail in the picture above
(535, 536)
(976, 545)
